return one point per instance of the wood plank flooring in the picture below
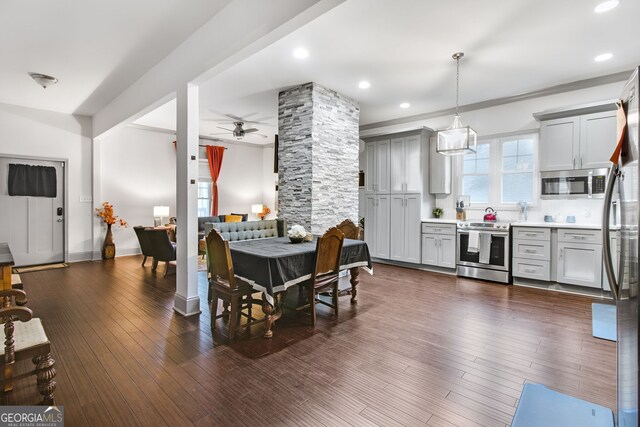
(419, 348)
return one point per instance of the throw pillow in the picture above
(233, 218)
(244, 216)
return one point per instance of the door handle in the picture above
(581, 159)
(606, 240)
(60, 220)
(574, 162)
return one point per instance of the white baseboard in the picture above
(80, 256)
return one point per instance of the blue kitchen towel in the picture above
(540, 406)
(603, 319)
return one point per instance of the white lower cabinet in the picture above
(439, 246)
(405, 228)
(579, 264)
(377, 225)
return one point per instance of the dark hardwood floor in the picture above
(418, 349)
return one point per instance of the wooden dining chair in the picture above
(224, 285)
(25, 338)
(349, 229)
(325, 275)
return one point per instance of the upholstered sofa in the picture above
(202, 220)
(248, 230)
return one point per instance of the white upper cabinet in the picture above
(597, 139)
(559, 143)
(406, 172)
(577, 140)
(439, 170)
(377, 169)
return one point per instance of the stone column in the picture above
(318, 132)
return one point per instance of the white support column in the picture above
(187, 301)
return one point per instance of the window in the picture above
(204, 198)
(502, 172)
(517, 170)
(475, 174)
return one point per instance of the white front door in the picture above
(32, 226)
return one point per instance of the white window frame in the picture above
(201, 181)
(495, 172)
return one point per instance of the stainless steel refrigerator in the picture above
(624, 276)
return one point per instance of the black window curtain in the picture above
(36, 181)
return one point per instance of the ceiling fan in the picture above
(238, 131)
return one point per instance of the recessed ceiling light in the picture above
(603, 57)
(606, 6)
(301, 53)
(405, 105)
(364, 84)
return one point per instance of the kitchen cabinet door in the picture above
(597, 139)
(383, 224)
(430, 249)
(439, 170)
(397, 237)
(579, 264)
(559, 144)
(447, 251)
(412, 228)
(382, 173)
(370, 167)
(397, 166)
(412, 164)
(370, 223)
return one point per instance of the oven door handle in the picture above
(493, 233)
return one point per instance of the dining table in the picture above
(274, 265)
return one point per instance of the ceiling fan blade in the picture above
(261, 135)
(251, 130)
(234, 117)
(220, 127)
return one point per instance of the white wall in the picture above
(513, 117)
(137, 170)
(241, 179)
(35, 133)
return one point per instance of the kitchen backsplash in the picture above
(586, 211)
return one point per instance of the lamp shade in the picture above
(161, 211)
(256, 209)
(457, 139)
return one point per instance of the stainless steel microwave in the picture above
(574, 184)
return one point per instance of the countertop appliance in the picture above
(573, 184)
(490, 215)
(624, 277)
(483, 250)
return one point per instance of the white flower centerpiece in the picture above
(297, 233)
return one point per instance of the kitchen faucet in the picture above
(524, 207)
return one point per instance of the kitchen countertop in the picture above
(441, 221)
(585, 226)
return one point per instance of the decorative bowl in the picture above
(296, 239)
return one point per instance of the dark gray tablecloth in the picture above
(272, 265)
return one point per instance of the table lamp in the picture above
(160, 211)
(257, 209)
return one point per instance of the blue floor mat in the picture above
(603, 318)
(540, 406)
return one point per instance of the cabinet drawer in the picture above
(531, 233)
(572, 235)
(532, 249)
(531, 269)
(434, 228)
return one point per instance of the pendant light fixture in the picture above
(456, 139)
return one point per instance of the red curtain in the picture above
(214, 156)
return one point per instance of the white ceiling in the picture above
(99, 48)
(95, 48)
(404, 49)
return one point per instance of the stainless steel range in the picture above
(483, 250)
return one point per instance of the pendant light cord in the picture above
(457, 83)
